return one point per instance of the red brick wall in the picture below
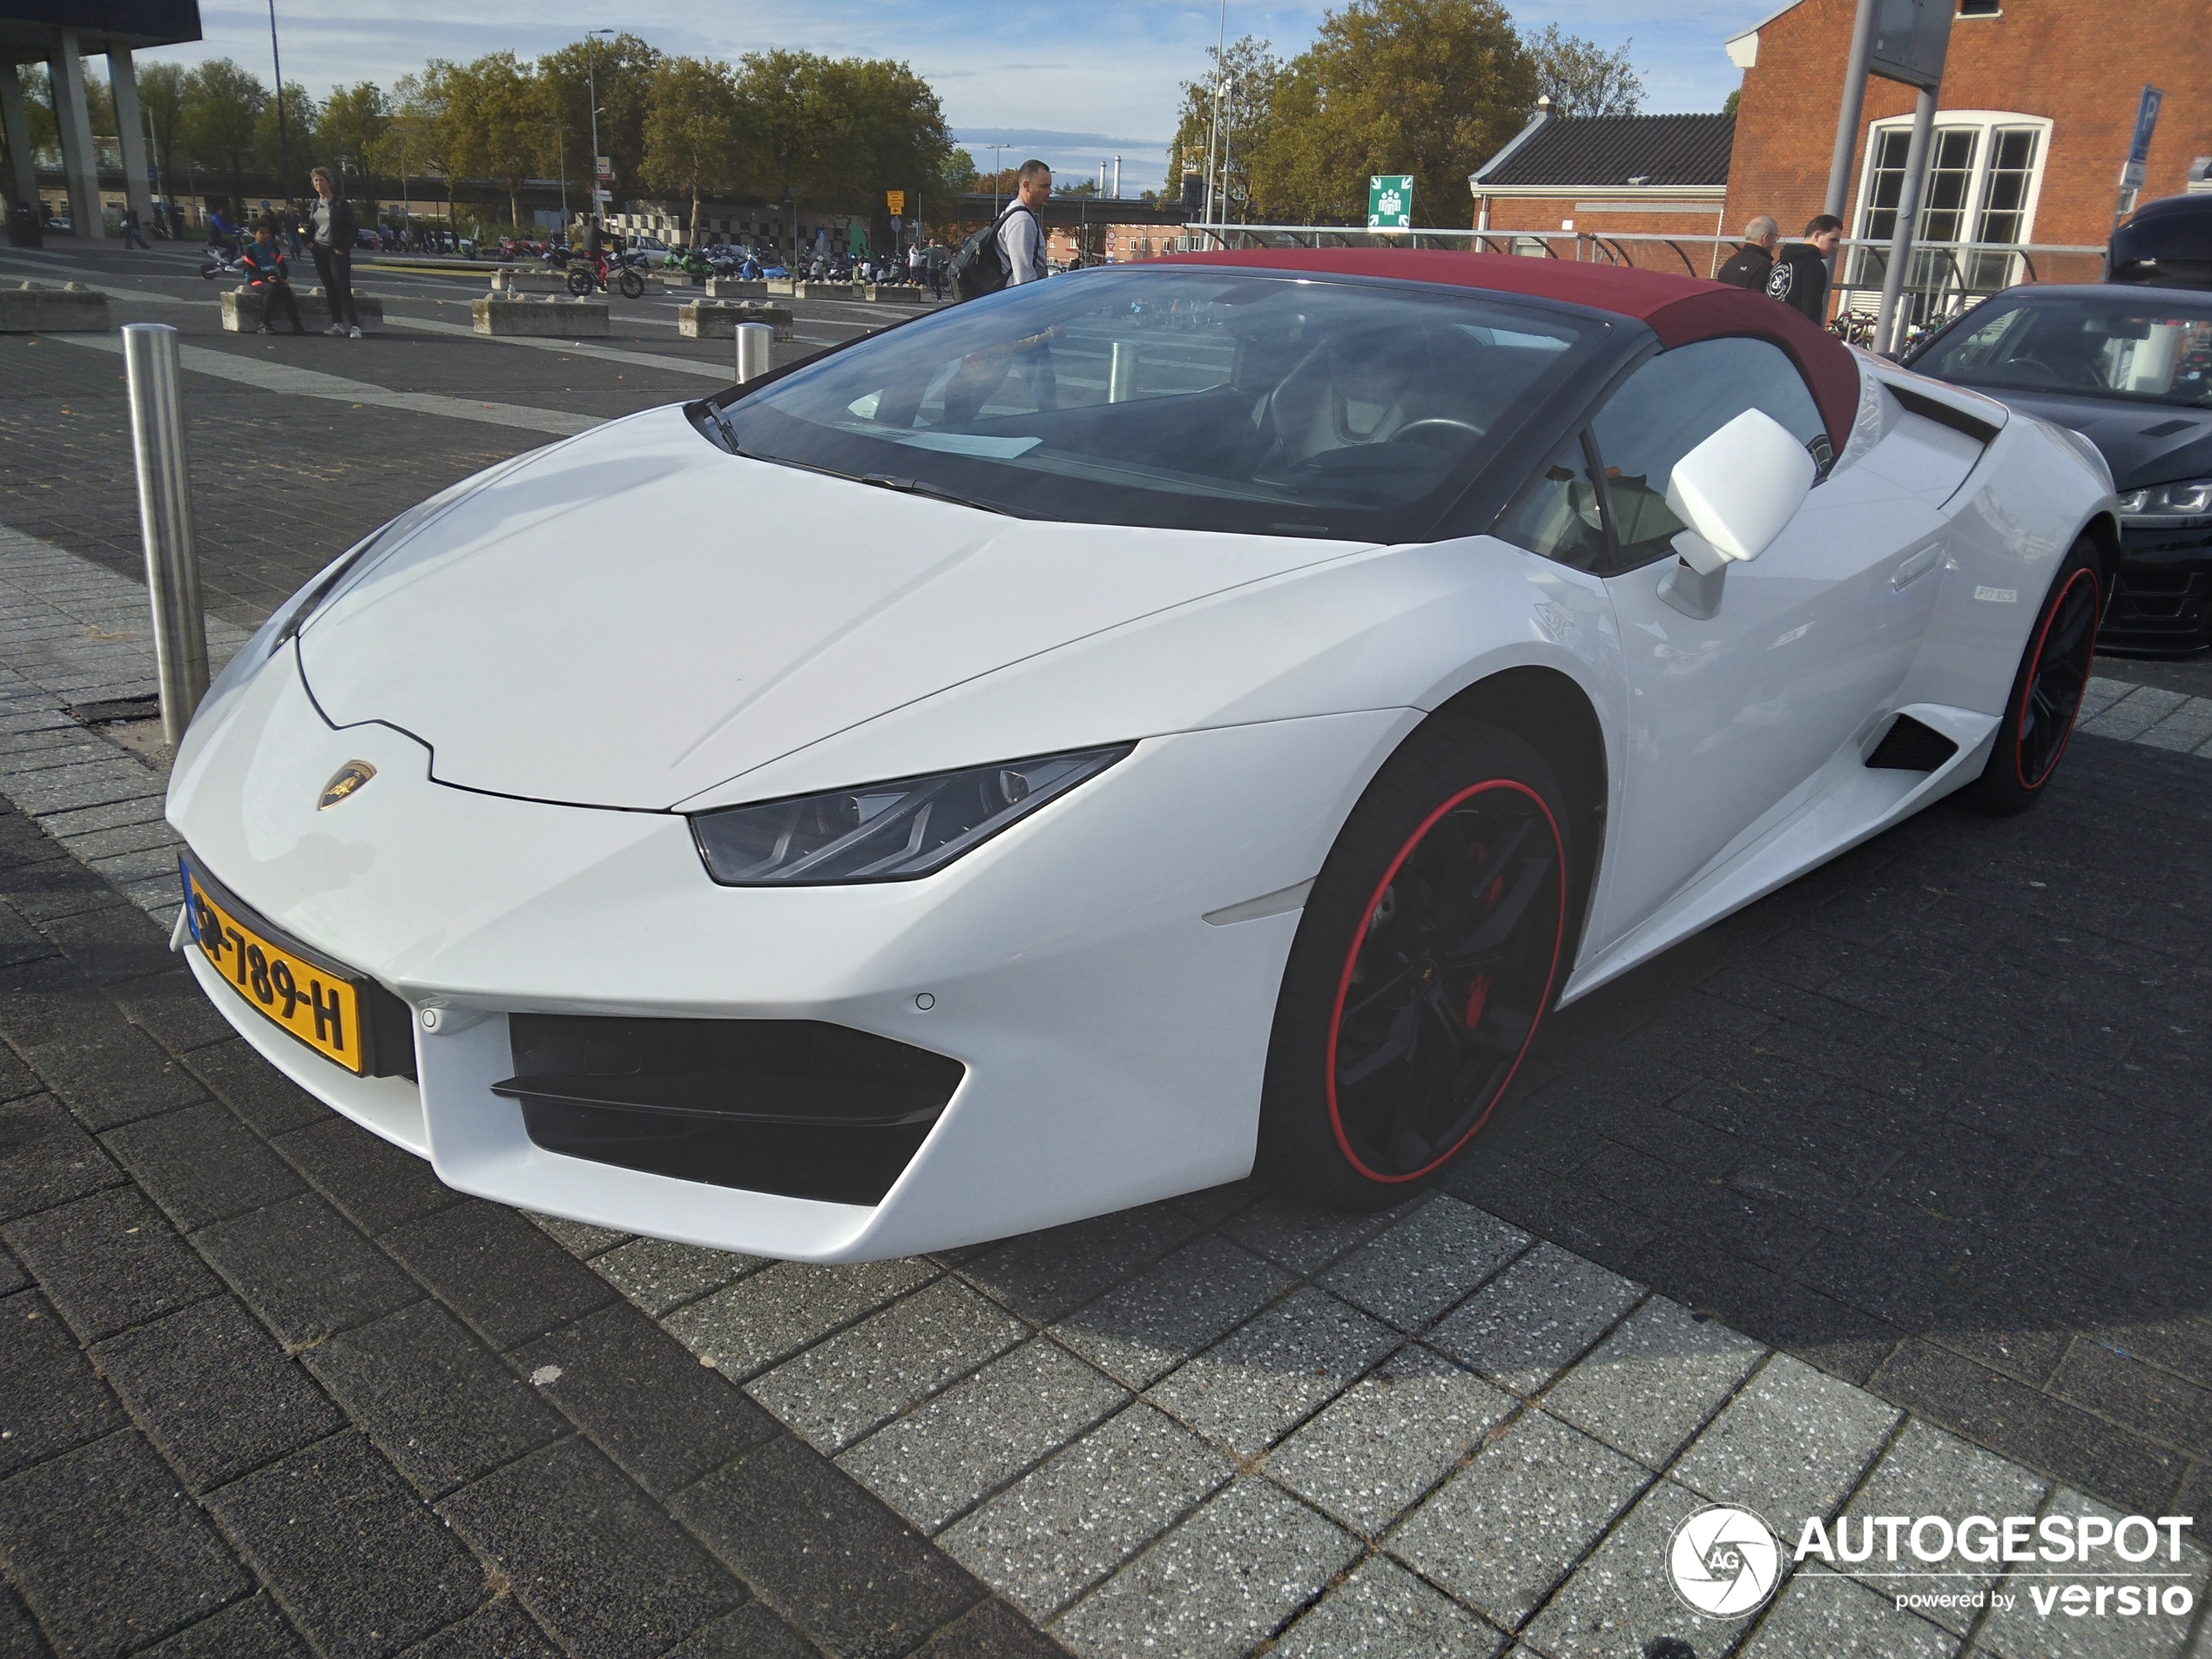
(2080, 62)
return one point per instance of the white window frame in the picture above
(1986, 121)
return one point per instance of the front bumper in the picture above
(2162, 600)
(1113, 1040)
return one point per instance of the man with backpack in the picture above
(1011, 251)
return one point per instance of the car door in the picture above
(1730, 716)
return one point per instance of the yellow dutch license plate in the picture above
(318, 1006)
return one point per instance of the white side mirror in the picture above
(1738, 489)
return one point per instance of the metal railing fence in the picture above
(1942, 279)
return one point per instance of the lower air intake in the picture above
(1910, 747)
(797, 1106)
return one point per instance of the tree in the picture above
(790, 153)
(497, 122)
(286, 146)
(888, 132)
(691, 132)
(161, 100)
(625, 68)
(222, 104)
(1429, 87)
(419, 139)
(1583, 79)
(350, 131)
(1734, 98)
(1251, 74)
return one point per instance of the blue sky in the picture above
(1075, 84)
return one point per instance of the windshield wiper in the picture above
(923, 487)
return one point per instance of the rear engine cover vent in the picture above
(797, 1106)
(1910, 747)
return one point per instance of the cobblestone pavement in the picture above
(1883, 1197)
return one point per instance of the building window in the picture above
(1984, 171)
(1981, 8)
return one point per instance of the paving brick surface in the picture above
(225, 1417)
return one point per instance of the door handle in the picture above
(1916, 567)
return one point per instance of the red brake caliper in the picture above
(1478, 994)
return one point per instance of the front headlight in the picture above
(887, 832)
(2165, 503)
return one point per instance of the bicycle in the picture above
(585, 278)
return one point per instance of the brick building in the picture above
(1608, 178)
(2037, 109)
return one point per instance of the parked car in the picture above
(1115, 753)
(2167, 242)
(2130, 368)
(652, 247)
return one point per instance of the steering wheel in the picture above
(1435, 423)
(2083, 374)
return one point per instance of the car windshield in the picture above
(2155, 347)
(1181, 398)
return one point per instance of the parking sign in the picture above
(1390, 202)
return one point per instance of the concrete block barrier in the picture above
(552, 317)
(904, 293)
(35, 307)
(242, 310)
(718, 319)
(735, 288)
(512, 279)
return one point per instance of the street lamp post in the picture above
(591, 83)
(284, 142)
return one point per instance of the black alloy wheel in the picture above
(632, 284)
(2046, 691)
(2058, 674)
(580, 282)
(1433, 941)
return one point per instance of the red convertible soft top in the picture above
(1676, 308)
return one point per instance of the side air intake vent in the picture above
(1910, 747)
(797, 1106)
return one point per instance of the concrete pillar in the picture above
(80, 161)
(131, 128)
(25, 184)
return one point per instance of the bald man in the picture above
(1751, 264)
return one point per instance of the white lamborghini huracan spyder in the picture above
(1051, 754)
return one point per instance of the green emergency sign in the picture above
(1390, 202)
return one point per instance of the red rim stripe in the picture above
(1344, 979)
(2027, 690)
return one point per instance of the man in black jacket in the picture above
(1800, 275)
(1751, 264)
(335, 227)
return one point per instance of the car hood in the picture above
(634, 615)
(2144, 443)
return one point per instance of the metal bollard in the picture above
(1121, 372)
(753, 340)
(165, 521)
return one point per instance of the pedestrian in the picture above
(132, 236)
(1751, 264)
(917, 258)
(1022, 241)
(1799, 278)
(267, 275)
(291, 230)
(334, 247)
(934, 263)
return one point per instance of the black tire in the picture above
(1449, 897)
(580, 282)
(632, 284)
(2047, 690)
